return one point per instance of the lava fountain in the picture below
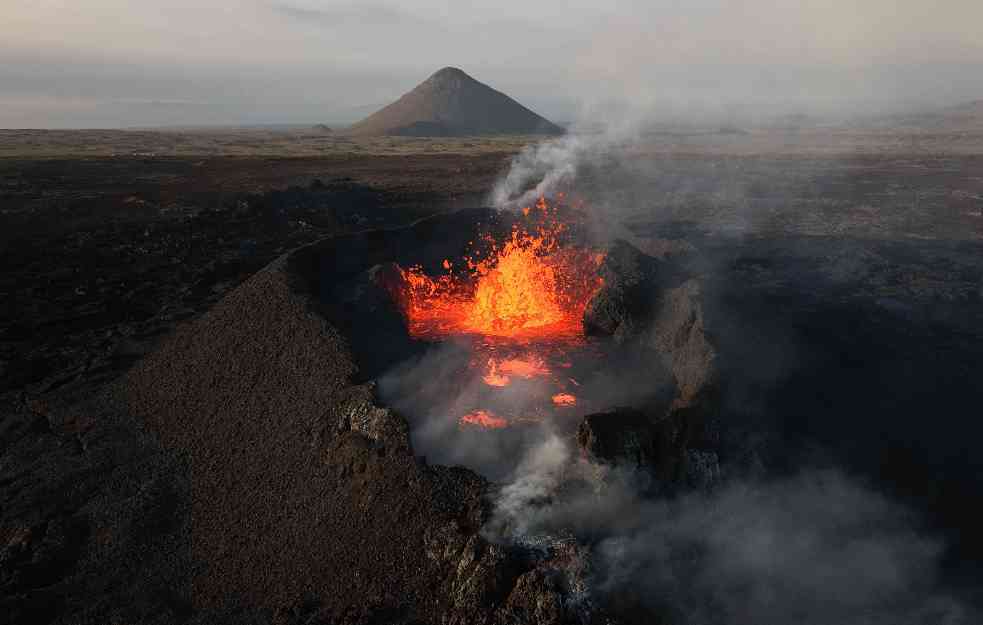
(518, 302)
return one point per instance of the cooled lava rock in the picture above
(630, 438)
(672, 449)
(366, 311)
(619, 436)
(656, 303)
(632, 284)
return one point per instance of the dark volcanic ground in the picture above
(861, 348)
(102, 256)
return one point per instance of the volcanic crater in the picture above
(485, 328)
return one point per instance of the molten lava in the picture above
(530, 287)
(519, 302)
(564, 400)
(483, 419)
(499, 373)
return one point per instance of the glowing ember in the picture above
(499, 372)
(564, 399)
(483, 419)
(493, 377)
(530, 287)
(527, 367)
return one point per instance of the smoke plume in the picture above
(815, 548)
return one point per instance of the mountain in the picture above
(451, 103)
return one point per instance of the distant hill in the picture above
(451, 103)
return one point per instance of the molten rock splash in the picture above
(520, 303)
(530, 287)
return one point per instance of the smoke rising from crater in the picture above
(815, 548)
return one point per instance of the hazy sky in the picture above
(110, 63)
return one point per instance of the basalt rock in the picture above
(619, 436)
(625, 304)
(673, 449)
(632, 439)
(655, 303)
(365, 308)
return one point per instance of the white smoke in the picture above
(539, 170)
(543, 168)
(535, 482)
(815, 548)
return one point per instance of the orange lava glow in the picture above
(529, 287)
(499, 373)
(525, 367)
(483, 419)
(494, 378)
(564, 399)
(518, 302)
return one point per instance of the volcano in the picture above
(452, 103)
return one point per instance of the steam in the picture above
(543, 168)
(814, 548)
(536, 479)
(539, 170)
(435, 389)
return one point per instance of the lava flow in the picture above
(521, 304)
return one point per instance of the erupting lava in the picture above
(521, 302)
(564, 399)
(484, 419)
(529, 287)
(499, 372)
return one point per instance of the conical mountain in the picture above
(451, 103)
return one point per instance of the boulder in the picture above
(677, 332)
(624, 305)
(669, 448)
(655, 303)
(622, 436)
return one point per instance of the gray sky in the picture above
(111, 63)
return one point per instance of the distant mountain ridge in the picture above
(452, 103)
